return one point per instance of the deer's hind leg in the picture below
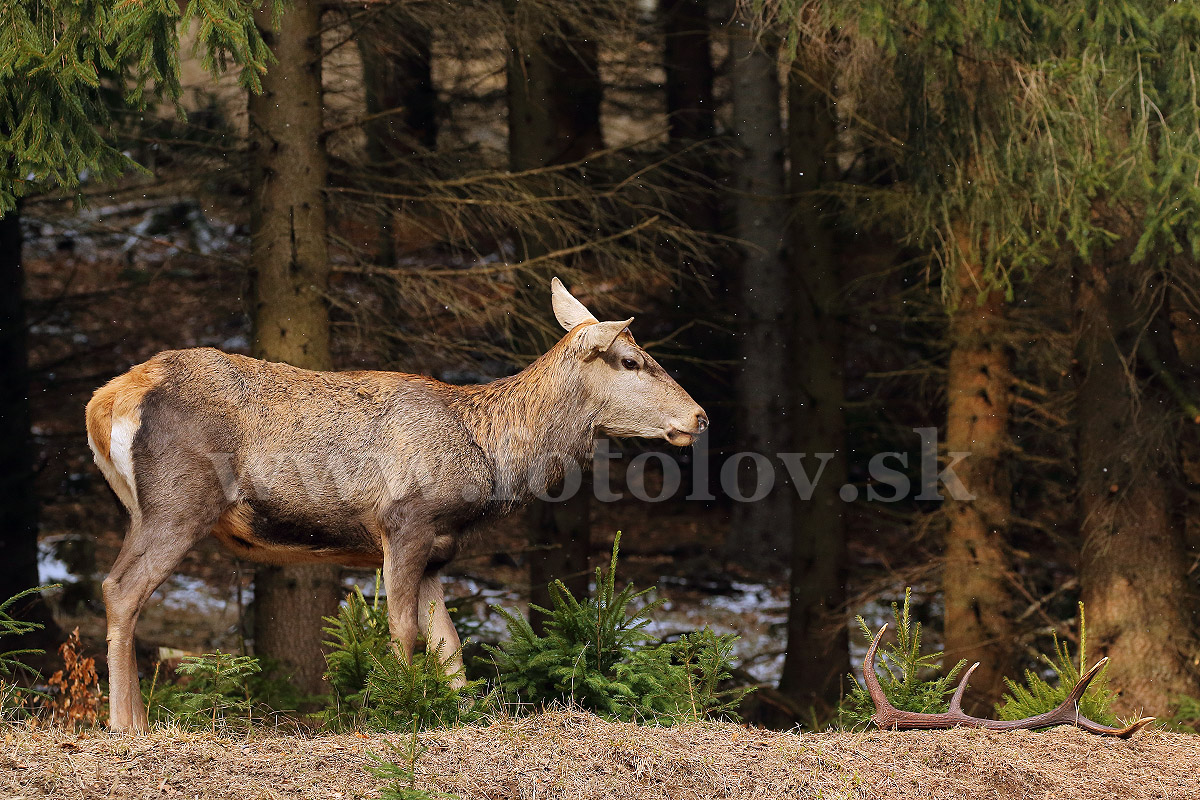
(157, 541)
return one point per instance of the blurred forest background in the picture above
(835, 223)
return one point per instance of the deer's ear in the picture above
(599, 337)
(569, 311)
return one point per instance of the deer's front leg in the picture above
(406, 549)
(435, 621)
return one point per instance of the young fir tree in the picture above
(1037, 696)
(596, 653)
(911, 681)
(373, 687)
(69, 71)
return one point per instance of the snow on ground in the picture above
(51, 568)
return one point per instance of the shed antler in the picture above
(889, 717)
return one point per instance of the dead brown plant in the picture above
(75, 698)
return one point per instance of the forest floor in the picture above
(568, 754)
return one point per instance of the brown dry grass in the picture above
(568, 754)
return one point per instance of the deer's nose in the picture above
(701, 422)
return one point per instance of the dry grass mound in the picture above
(574, 755)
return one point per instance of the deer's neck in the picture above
(533, 426)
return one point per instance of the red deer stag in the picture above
(284, 466)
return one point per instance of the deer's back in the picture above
(297, 461)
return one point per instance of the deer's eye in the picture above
(629, 363)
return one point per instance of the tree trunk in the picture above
(687, 62)
(687, 65)
(18, 494)
(1141, 606)
(977, 579)
(554, 94)
(291, 321)
(396, 53)
(764, 526)
(817, 645)
(560, 535)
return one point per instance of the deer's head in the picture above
(635, 396)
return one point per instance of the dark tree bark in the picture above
(977, 582)
(554, 95)
(560, 538)
(1141, 605)
(396, 53)
(687, 62)
(817, 646)
(18, 494)
(763, 525)
(290, 266)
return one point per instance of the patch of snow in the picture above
(181, 592)
(51, 568)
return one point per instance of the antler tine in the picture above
(882, 706)
(1120, 733)
(1069, 710)
(956, 700)
(1077, 693)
